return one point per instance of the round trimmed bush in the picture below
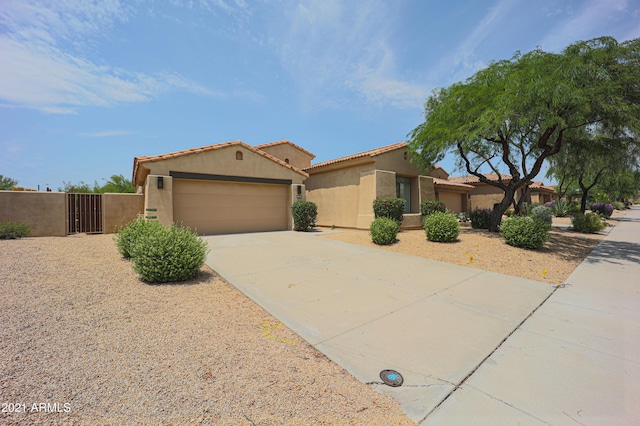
(525, 232)
(480, 218)
(587, 223)
(441, 227)
(384, 231)
(305, 214)
(166, 254)
(543, 212)
(603, 208)
(127, 235)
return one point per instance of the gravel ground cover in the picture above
(80, 330)
(481, 249)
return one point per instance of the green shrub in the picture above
(543, 213)
(560, 208)
(441, 227)
(164, 254)
(525, 231)
(389, 207)
(128, 234)
(429, 207)
(618, 205)
(305, 214)
(480, 218)
(384, 231)
(13, 230)
(587, 223)
(509, 212)
(462, 217)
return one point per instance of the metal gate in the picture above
(85, 213)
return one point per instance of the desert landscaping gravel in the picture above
(80, 332)
(84, 341)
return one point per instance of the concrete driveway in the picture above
(369, 310)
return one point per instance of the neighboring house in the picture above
(484, 196)
(233, 187)
(540, 194)
(222, 188)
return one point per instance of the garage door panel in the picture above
(214, 207)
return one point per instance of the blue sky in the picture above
(87, 85)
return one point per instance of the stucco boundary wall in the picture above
(47, 215)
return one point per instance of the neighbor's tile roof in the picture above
(370, 153)
(542, 186)
(151, 158)
(475, 179)
(284, 141)
(447, 182)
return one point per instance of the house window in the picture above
(403, 190)
(238, 155)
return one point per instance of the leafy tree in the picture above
(519, 112)
(82, 187)
(7, 183)
(595, 158)
(116, 183)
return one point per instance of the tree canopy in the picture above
(115, 184)
(7, 183)
(517, 113)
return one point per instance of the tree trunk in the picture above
(500, 208)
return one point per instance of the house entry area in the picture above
(403, 190)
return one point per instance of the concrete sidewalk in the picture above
(370, 310)
(576, 360)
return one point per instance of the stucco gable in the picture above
(284, 142)
(208, 159)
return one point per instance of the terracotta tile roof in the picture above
(542, 186)
(446, 182)
(137, 161)
(284, 141)
(475, 179)
(370, 153)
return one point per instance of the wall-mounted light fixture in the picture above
(299, 189)
(160, 182)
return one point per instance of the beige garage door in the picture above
(214, 207)
(452, 200)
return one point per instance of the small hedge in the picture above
(127, 235)
(525, 232)
(602, 208)
(480, 218)
(587, 223)
(389, 207)
(305, 214)
(165, 254)
(13, 230)
(441, 227)
(429, 207)
(543, 212)
(384, 231)
(618, 205)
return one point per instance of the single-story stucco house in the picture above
(234, 187)
(484, 196)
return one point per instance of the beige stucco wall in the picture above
(44, 212)
(120, 209)
(484, 196)
(223, 162)
(285, 151)
(439, 173)
(395, 161)
(158, 203)
(337, 195)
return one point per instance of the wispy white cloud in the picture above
(106, 133)
(595, 18)
(45, 67)
(332, 45)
